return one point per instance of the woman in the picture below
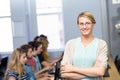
(85, 57)
(15, 69)
(44, 40)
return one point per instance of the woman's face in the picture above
(39, 49)
(23, 59)
(85, 26)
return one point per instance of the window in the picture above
(50, 22)
(6, 40)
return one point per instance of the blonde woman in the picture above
(85, 57)
(15, 69)
(44, 40)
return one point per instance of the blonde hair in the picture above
(43, 39)
(15, 64)
(88, 15)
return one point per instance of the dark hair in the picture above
(35, 39)
(35, 44)
(25, 47)
(43, 36)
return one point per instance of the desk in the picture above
(114, 75)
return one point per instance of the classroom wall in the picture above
(114, 33)
(25, 24)
(71, 9)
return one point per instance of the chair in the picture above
(106, 72)
(3, 65)
(117, 63)
(57, 75)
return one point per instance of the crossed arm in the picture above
(72, 72)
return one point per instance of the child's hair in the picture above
(35, 44)
(14, 63)
(26, 47)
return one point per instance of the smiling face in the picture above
(86, 22)
(85, 25)
(39, 49)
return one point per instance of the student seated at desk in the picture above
(34, 61)
(38, 74)
(37, 49)
(44, 56)
(15, 69)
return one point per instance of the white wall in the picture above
(24, 13)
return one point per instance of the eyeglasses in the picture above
(86, 24)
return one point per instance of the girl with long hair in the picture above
(15, 69)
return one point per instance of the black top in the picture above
(41, 58)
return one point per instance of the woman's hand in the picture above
(67, 68)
